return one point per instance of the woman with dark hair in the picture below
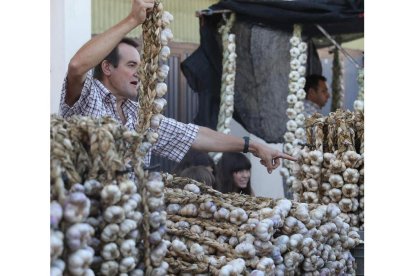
(233, 174)
(200, 174)
(196, 158)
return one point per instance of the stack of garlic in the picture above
(153, 72)
(231, 234)
(228, 78)
(359, 102)
(96, 210)
(331, 172)
(295, 133)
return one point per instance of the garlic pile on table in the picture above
(153, 73)
(231, 234)
(359, 102)
(228, 78)
(96, 208)
(332, 171)
(295, 133)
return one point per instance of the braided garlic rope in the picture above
(337, 82)
(95, 209)
(295, 133)
(153, 73)
(359, 102)
(331, 169)
(228, 78)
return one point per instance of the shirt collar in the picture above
(313, 104)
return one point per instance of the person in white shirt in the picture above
(317, 94)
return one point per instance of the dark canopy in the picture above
(203, 68)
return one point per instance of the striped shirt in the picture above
(175, 138)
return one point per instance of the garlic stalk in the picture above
(227, 79)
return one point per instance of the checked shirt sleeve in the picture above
(82, 105)
(175, 139)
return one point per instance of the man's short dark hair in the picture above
(113, 57)
(312, 81)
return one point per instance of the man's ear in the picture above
(106, 67)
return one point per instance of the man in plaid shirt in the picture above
(111, 90)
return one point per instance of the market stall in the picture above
(111, 217)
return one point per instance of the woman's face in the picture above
(241, 178)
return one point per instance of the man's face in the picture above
(321, 95)
(123, 80)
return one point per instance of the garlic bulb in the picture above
(222, 214)
(56, 244)
(162, 73)
(114, 214)
(111, 194)
(292, 99)
(294, 52)
(294, 75)
(152, 137)
(155, 187)
(302, 47)
(78, 235)
(359, 105)
(302, 58)
(173, 209)
(351, 175)
(156, 121)
(310, 185)
(166, 36)
(76, 207)
(245, 250)
(350, 190)
(294, 64)
(302, 72)
(300, 133)
(294, 40)
(166, 18)
(196, 249)
(79, 261)
(56, 213)
(345, 204)
(238, 216)
(110, 233)
(336, 180)
(310, 197)
(189, 210)
(159, 104)
(266, 264)
(264, 230)
(179, 246)
(290, 112)
(165, 53)
(192, 188)
(92, 187)
(288, 148)
(291, 125)
(161, 89)
(299, 107)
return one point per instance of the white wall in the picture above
(263, 183)
(70, 28)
